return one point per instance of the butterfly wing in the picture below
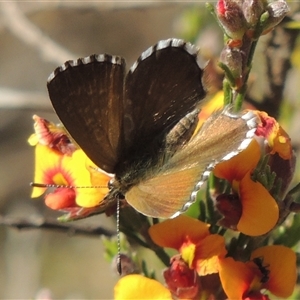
(161, 87)
(165, 194)
(173, 188)
(87, 95)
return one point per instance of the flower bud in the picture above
(252, 10)
(51, 135)
(231, 17)
(126, 264)
(277, 10)
(181, 280)
(232, 58)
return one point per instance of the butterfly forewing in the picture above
(161, 87)
(87, 96)
(172, 189)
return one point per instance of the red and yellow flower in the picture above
(60, 163)
(199, 251)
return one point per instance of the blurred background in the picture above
(35, 38)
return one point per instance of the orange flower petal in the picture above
(282, 144)
(239, 165)
(278, 140)
(139, 287)
(208, 252)
(173, 233)
(260, 210)
(235, 277)
(281, 262)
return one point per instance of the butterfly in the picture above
(140, 126)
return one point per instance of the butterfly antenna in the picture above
(49, 185)
(119, 265)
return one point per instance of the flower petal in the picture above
(236, 167)
(80, 177)
(53, 167)
(60, 199)
(208, 252)
(278, 140)
(235, 277)
(139, 287)
(178, 229)
(47, 164)
(51, 135)
(281, 261)
(260, 210)
(282, 144)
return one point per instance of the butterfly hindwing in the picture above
(172, 189)
(163, 195)
(87, 95)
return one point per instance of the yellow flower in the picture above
(139, 287)
(61, 164)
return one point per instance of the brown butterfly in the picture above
(139, 126)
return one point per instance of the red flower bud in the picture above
(230, 15)
(181, 280)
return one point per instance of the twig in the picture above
(12, 99)
(50, 224)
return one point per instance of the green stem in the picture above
(227, 92)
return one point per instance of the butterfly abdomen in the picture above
(182, 131)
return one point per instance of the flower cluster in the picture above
(251, 206)
(202, 266)
(253, 18)
(243, 22)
